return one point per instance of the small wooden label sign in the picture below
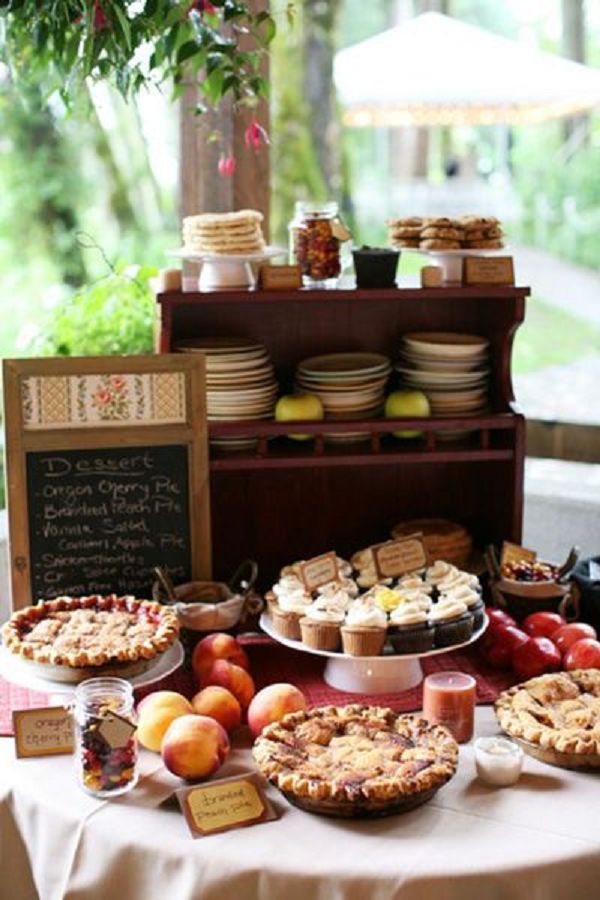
(46, 731)
(275, 278)
(224, 804)
(488, 270)
(319, 570)
(513, 553)
(116, 730)
(394, 558)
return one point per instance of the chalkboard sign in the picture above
(107, 474)
(101, 519)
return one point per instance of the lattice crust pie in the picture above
(91, 631)
(356, 760)
(559, 712)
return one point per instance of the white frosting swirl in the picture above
(344, 567)
(449, 609)
(418, 598)
(458, 579)
(291, 594)
(411, 583)
(366, 614)
(463, 593)
(438, 571)
(323, 610)
(408, 614)
(345, 586)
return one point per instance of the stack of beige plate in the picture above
(240, 382)
(452, 369)
(349, 385)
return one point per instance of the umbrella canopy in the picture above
(435, 70)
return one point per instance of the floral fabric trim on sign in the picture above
(86, 401)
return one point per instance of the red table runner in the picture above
(272, 662)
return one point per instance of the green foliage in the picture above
(110, 317)
(134, 45)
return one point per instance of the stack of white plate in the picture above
(452, 369)
(349, 385)
(240, 382)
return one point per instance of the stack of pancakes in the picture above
(468, 232)
(236, 233)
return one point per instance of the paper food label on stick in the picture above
(319, 570)
(394, 558)
(47, 731)
(513, 553)
(224, 804)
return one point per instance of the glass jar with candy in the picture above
(316, 236)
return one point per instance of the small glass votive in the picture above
(498, 761)
(449, 699)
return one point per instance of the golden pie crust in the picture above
(560, 711)
(356, 760)
(91, 631)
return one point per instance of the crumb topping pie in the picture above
(560, 711)
(91, 631)
(356, 760)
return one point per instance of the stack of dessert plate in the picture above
(240, 383)
(349, 385)
(452, 369)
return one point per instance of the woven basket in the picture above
(521, 598)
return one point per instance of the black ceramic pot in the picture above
(375, 267)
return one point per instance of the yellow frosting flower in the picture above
(388, 599)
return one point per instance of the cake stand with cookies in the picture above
(227, 246)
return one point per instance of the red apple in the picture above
(583, 654)
(542, 624)
(498, 616)
(566, 636)
(505, 641)
(536, 657)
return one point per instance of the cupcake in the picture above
(458, 579)
(292, 603)
(346, 585)
(453, 622)
(418, 598)
(344, 567)
(413, 583)
(438, 571)
(364, 629)
(471, 598)
(386, 598)
(409, 630)
(320, 627)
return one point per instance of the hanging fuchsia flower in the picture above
(226, 166)
(255, 135)
(202, 6)
(100, 20)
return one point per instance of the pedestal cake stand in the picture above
(223, 271)
(385, 674)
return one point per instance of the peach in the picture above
(155, 714)
(272, 704)
(234, 679)
(220, 704)
(216, 646)
(194, 747)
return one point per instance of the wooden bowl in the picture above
(521, 598)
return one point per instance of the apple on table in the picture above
(409, 405)
(299, 408)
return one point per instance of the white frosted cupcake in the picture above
(439, 571)
(410, 583)
(410, 630)
(453, 622)
(346, 586)
(292, 603)
(320, 627)
(458, 579)
(364, 629)
(418, 598)
(472, 600)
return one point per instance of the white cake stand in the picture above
(16, 670)
(390, 673)
(223, 271)
(451, 261)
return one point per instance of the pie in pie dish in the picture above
(91, 631)
(355, 760)
(559, 712)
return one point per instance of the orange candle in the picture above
(449, 699)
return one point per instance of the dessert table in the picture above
(540, 838)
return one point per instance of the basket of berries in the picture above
(524, 586)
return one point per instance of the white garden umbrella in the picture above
(435, 70)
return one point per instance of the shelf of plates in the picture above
(279, 499)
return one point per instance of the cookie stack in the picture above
(482, 233)
(237, 233)
(405, 232)
(441, 234)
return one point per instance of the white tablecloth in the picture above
(539, 840)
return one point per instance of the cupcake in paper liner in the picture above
(472, 600)
(453, 622)
(292, 603)
(364, 629)
(320, 627)
(409, 630)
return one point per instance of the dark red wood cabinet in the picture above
(287, 500)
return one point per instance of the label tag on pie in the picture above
(488, 270)
(394, 558)
(46, 731)
(225, 804)
(513, 553)
(319, 570)
(115, 730)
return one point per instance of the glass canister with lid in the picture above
(316, 236)
(105, 743)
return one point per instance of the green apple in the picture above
(410, 404)
(299, 408)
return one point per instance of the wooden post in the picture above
(201, 188)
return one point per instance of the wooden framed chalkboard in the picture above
(107, 474)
